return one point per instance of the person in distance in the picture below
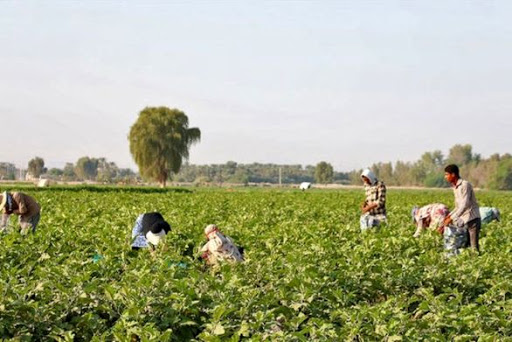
(373, 209)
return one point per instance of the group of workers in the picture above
(148, 232)
(460, 227)
(151, 228)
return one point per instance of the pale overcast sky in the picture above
(348, 82)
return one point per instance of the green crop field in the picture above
(309, 272)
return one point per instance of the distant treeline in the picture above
(494, 172)
(232, 172)
(85, 169)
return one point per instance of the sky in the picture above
(289, 82)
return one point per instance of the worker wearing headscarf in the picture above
(219, 247)
(429, 216)
(149, 230)
(373, 209)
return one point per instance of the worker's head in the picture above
(157, 232)
(451, 173)
(496, 214)
(368, 177)
(210, 230)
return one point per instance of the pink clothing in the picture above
(219, 248)
(430, 216)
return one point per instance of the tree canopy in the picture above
(159, 141)
(36, 167)
(86, 168)
(324, 173)
(491, 173)
(7, 171)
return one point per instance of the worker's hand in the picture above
(364, 207)
(447, 220)
(205, 255)
(368, 207)
(440, 230)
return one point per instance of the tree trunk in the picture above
(163, 179)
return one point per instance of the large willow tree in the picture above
(160, 140)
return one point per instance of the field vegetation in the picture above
(309, 272)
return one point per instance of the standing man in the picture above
(466, 213)
(373, 209)
(24, 206)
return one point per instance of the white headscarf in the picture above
(370, 175)
(155, 238)
(210, 229)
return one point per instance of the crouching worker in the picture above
(373, 209)
(24, 206)
(219, 247)
(149, 230)
(429, 216)
(489, 214)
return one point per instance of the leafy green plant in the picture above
(309, 273)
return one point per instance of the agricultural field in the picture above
(309, 273)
